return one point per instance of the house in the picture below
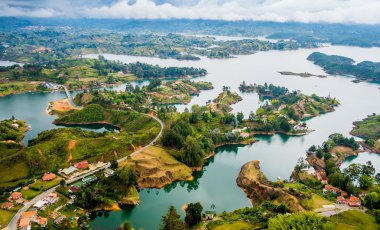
(6, 205)
(88, 180)
(15, 196)
(69, 170)
(48, 176)
(353, 201)
(53, 215)
(341, 200)
(321, 175)
(108, 172)
(39, 204)
(41, 221)
(31, 215)
(244, 135)
(24, 223)
(81, 165)
(331, 189)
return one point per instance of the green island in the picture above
(222, 104)
(339, 65)
(306, 74)
(369, 130)
(12, 130)
(283, 111)
(83, 74)
(32, 46)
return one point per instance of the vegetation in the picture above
(12, 130)
(282, 109)
(339, 65)
(172, 221)
(300, 220)
(222, 104)
(369, 129)
(193, 214)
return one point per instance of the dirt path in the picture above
(71, 146)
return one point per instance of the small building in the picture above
(82, 165)
(244, 135)
(48, 176)
(89, 179)
(42, 221)
(108, 172)
(31, 214)
(24, 223)
(15, 196)
(6, 205)
(69, 170)
(354, 201)
(341, 200)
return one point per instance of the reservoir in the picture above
(278, 154)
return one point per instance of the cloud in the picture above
(334, 11)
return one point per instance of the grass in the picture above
(238, 225)
(11, 174)
(368, 128)
(30, 193)
(319, 201)
(163, 164)
(45, 185)
(352, 220)
(6, 216)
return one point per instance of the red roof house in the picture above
(341, 200)
(48, 176)
(16, 196)
(353, 201)
(81, 165)
(6, 205)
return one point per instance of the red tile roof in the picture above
(48, 176)
(30, 214)
(6, 205)
(16, 195)
(81, 165)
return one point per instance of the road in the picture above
(162, 124)
(13, 223)
(338, 208)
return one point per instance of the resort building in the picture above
(6, 205)
(82, 165)
(354, 201)
(341, 200)
(69, 170)
(26, 218)
(15, 196)
(48, 176)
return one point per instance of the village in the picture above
(46, 198)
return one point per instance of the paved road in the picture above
(13, 223)
(162, 124)
(336, 210)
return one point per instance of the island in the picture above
(369, 130)
(339, 65)
(80, 73)
(283, 111)
(306, 74)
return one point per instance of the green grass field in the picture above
(353, 220)
(10, 175)
(6, 216)
(238, 225)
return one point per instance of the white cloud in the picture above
(339, 11)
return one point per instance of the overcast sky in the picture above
(341, 11)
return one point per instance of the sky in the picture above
(332, 11)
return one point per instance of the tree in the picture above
(172, 221)
(297, 221)
(365, 182)
(240, 117)
(192, 152)
(251, 116)
(62, 182)
(354, 171)
(193, 214)
(368, 169)
(377, 178)
(114, 164)
(125, 226)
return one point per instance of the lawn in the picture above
(18, 171)
(5, 217)
(237, 225)
(45, 185)
(353, 219)
(30, 193)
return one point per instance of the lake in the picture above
(278, 154)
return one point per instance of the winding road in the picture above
(13, 223)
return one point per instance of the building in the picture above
(108, 172)
(26, 218)
(24, 223)
(341, 200)
(31, 214)
(244, 135)
(331, 189)
(6, 205)
(48, 176)
(82, 165)
(353, 201)
(15, 196)
(88, 180)
(69, 170)
(41, 221)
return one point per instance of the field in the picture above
(353, 220)
(19, 170)
(154, 165)
(238, 225)
(5, 217)
(367, 128)
(17, 87)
